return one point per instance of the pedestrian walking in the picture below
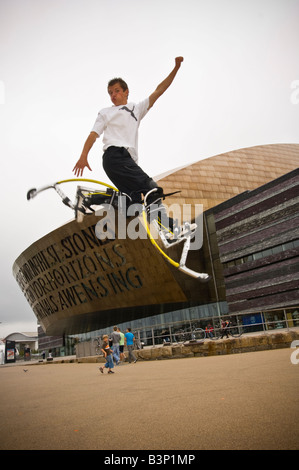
(224, 328)
(107, 351)
(121, 345)
(115, 338)
(130, 339)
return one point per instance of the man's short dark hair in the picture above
(122, 83)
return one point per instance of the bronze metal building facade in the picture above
(76, 283)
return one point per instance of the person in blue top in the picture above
(130, 338)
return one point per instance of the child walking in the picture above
(108, 355)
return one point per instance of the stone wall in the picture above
(221, 347)
(259, 342)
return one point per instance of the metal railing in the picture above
(157, 335)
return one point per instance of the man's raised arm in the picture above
(166, 83)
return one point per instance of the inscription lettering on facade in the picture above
(78, 269)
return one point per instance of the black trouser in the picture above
(125, 174)
(224, 332)
(129, 178)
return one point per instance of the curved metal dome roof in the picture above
(219, 178)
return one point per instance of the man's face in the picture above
(117, 95)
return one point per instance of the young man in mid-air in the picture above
(119, 125)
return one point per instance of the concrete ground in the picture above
(240, 401)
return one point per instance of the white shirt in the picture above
(120, 126)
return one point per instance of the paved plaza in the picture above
(240, 401)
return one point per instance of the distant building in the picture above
(23, 340)
(56, 345)
(22, 345)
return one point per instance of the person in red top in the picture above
(209, 330)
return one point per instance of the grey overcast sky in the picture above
(238, 87)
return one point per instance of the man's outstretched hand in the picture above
(79, 167)
(83, 160)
